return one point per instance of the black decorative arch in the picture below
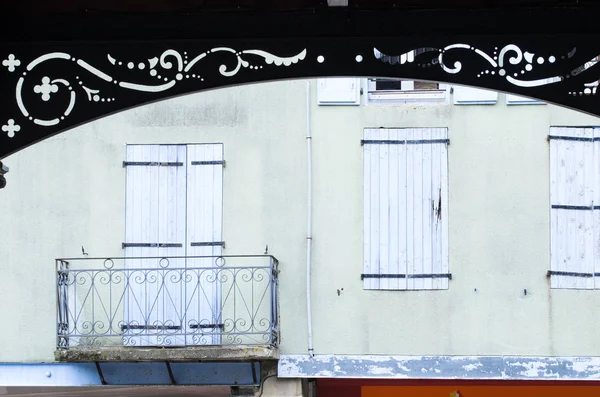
(48, 87)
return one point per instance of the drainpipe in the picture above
(309, 222)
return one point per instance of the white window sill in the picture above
(338, 103)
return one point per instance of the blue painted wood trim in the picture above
(440, 367)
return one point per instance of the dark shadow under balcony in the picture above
(134, 308)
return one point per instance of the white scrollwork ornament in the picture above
(520, 62)
(11, 127)
(11, 63)
(170, 68)
(46, 89)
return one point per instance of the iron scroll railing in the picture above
(167, 301)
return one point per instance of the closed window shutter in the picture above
(512, 99)
(596, 203)
(574, 214)
(338, 91)
(474, 96)
(154, 227)
(174, 205)
(205, 199)
(204, 236)
(405, 209)
(155, 200)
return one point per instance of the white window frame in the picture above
(407, 95)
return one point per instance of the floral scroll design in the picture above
(510, 63)
(170, 69)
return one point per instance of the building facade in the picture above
(451, 232)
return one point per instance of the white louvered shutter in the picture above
(174, 209)
(338, 91)
(512, 99)
(575, 204)
(204, 238)
(405, 209)
(154, 227)
(474, 96)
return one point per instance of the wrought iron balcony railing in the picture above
(167, 301)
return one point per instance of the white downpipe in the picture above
(309, 221)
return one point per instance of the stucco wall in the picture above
(69, 191)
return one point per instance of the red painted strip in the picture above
(449, 388)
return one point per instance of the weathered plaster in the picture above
(440, 367)
(208, 353)
(68, 192)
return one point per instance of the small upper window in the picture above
(385, 90)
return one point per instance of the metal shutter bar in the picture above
(204, 326)
(402, 142)
(208, 244)
(151, 164)
(153, 245)
(434, 275)
(214, 162)
(573, 138)
(571, 274)
(150, 327)
(576, 207)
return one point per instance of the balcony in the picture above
(203, 308)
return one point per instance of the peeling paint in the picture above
(440, 367)
(471, 367)
(375, 370)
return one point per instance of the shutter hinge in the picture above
(208, 244)
(573, 138)
(151, 164)
(209, 326)
(152, 245)
(403, 141)
(571, 274)
(149, 327)
(215, 162)
(433, 275)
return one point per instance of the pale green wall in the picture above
(69, 191)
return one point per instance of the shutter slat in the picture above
(410, 209)
(402, 210)
(367, 212)
(375, 254)
(444, 210)
(587, 260)
(427, 211)
(152, 230)
(384, 210)
(394, 201)
(435, 203)
(595, 171)
(218, 197)
(204, 203)
(554, 215)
